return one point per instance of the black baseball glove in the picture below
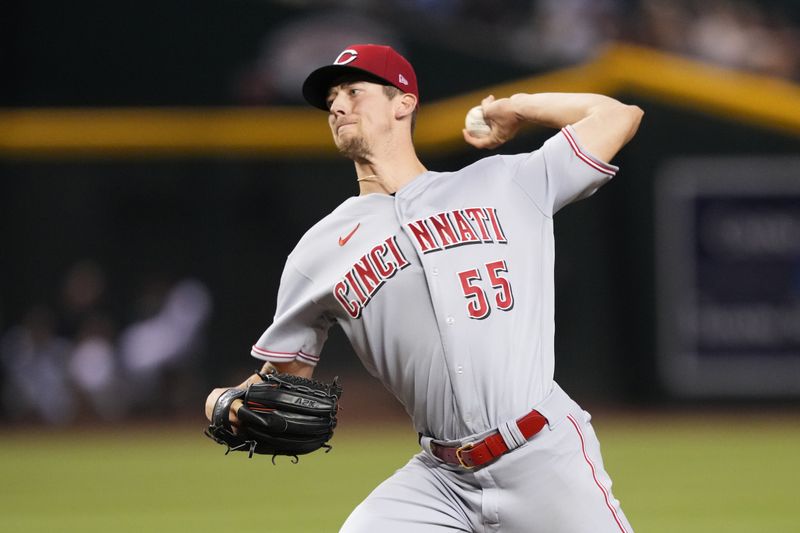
(284, 415)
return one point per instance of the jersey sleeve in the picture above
(300, 327)
(560, 172)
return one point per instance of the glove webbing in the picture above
(305, 385)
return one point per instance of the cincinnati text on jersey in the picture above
(475, 225)
(368, 274)
(453, 228)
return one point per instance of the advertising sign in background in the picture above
(728, 276)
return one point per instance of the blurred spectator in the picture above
(737, 34)
(659, 23)
(57, 367)
(34, 361)
(282, 64)
(94, 369)
(542, 33)
(565, 31)
(82, 295)
(154, 347)
(537, 34)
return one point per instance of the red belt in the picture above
(474, 454)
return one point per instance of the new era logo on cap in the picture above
(378, 62)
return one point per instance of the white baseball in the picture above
(475, 123)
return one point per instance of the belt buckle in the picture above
(462, 449)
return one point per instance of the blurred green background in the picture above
(692, 473)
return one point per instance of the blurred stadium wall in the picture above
(153, 178)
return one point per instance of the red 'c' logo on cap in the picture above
(347, 56)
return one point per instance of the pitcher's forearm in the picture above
(557, 110)
(603, 125)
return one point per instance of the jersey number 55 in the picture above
(478, 306)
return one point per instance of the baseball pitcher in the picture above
(443, 283)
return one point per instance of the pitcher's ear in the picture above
(406, 105)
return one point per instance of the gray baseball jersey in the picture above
(445, 289)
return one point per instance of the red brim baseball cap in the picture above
(375, 62)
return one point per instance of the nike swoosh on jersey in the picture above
(343, 240)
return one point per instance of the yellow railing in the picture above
(301, 131)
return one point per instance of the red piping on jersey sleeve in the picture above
(308, 358)
(288, 356)
(586, 158)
